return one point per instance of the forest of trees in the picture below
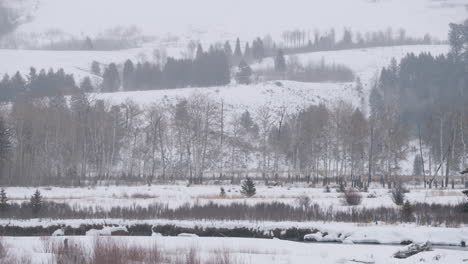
(419, 104)
(427, 98)
(60, 143)
(211, 68)
(38, 85)
(300, 41)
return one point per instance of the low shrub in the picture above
(352, 197)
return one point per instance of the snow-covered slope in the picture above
(293, 95)
(76, 62)
(366, 63)
(290, 95)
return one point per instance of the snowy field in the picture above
(366, 63)
(177, 195)
(289, 95)
(253, 251)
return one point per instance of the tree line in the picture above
(300, 41)
(42, 84)
(427, 97)
(211, 68)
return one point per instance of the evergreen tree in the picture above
(86, 85)
(88, 45)
(36, 202)
(258, 49)
(199, 52)
(248, 188)
(407, 212)
(128, 76)
(3, 201)
(247, 52)
(280, 62)
(228, 49)
(32, 77)
(238, 51)
(111, 79)
(5, 144)
(456, 39)
(18, 84)
(246, 120)
(96, 68)
(222, 192)
(244, 73)
(376, 103)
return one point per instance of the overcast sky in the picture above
(246, 17)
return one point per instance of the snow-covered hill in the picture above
(366, 63)
(281, 94)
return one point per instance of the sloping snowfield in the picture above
(290, 95)
(366, 63)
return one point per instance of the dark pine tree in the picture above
(247, 52)
(36, 203)
(18, 84)
(238, 50)
(258, 49)
(280, 62)
(86, 85)
(5, 144)
(228, 49)
(407, 212)
(96, 68)
(128, 76)
(222, 192)
(244, 73)
(248, 188)
(3, 201)
(88, 45)
(111, 79)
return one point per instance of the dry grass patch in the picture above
(444, 193)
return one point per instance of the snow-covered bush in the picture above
(303, 201)
(407, 212)
(352, 197)
(248, 188)
(398, 194)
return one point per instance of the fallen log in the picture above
(412, 249)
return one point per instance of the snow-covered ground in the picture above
(252, 250)
(366, 63)
(290, 95)
(177, 195)
(347, 233)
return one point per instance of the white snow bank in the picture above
(186, 235)
(58, 232)
(106, 231)
(389, 235)
(356, 233)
